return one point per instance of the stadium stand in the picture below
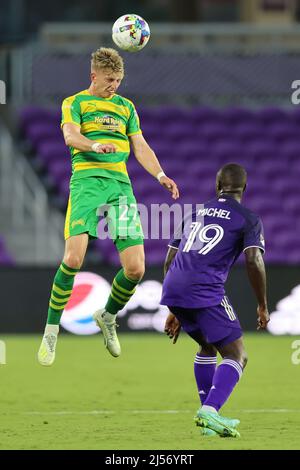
(193, 145)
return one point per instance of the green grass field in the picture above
(145, 399)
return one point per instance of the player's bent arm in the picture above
(147, 158)
(257, 274)
(74, 138)
(169, 258)
(145, 155)
(172, 325)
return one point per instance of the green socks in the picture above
(61, 292)
(121, 291)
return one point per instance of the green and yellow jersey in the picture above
(104, 120)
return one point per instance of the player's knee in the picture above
(207, 350)
(242, 358)
(73, 261)
(238, 355)
(135, 271)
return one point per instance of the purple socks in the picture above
(225, 379)
(204, 369)
(215, 384)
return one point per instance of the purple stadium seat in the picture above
(292, 205)
(161, 147)
(192, 150)
(284, 185)
(283, 132)
(6, 259)
(35, 115)
(210, 132)
(259, 150)
(63, 181)
(151, 130)
(271, 115)
(294, 116)
(266, 204)
(235, 116)
(290, 151)
(176, 132)
(201, 115)
(294, 168)
(202, 174)
(49, 151)
(40, 132)
(227, 150)
(192, 144)
(169, 113)
(59, 169)
(273, 168)
(245, 131)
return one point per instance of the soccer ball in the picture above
(130, 33)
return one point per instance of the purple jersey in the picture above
(212, 239)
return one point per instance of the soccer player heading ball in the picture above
(197, 265)
(99, 126)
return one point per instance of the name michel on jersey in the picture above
(214, 212)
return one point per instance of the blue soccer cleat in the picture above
(223, 426)
(208, 432)
(232, 422)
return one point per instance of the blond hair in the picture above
(107, 58)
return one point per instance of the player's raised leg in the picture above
(123, 288)
(75, 249)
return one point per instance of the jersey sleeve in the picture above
(71, 112)
(254, 234)
(133, 124)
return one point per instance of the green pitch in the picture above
(146, 399)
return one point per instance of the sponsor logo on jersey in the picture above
(108, 123)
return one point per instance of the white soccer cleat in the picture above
(107, 323)
(46, 354)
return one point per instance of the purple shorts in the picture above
(216, 325)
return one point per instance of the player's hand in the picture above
(172, 327)
(104, 148)
(263, 317)
(170, 185)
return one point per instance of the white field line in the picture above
(111, 412)
(104, 412)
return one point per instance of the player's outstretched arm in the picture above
(74, 138)
(147, 158)
(257, 276)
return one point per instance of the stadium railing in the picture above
(33, 229)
